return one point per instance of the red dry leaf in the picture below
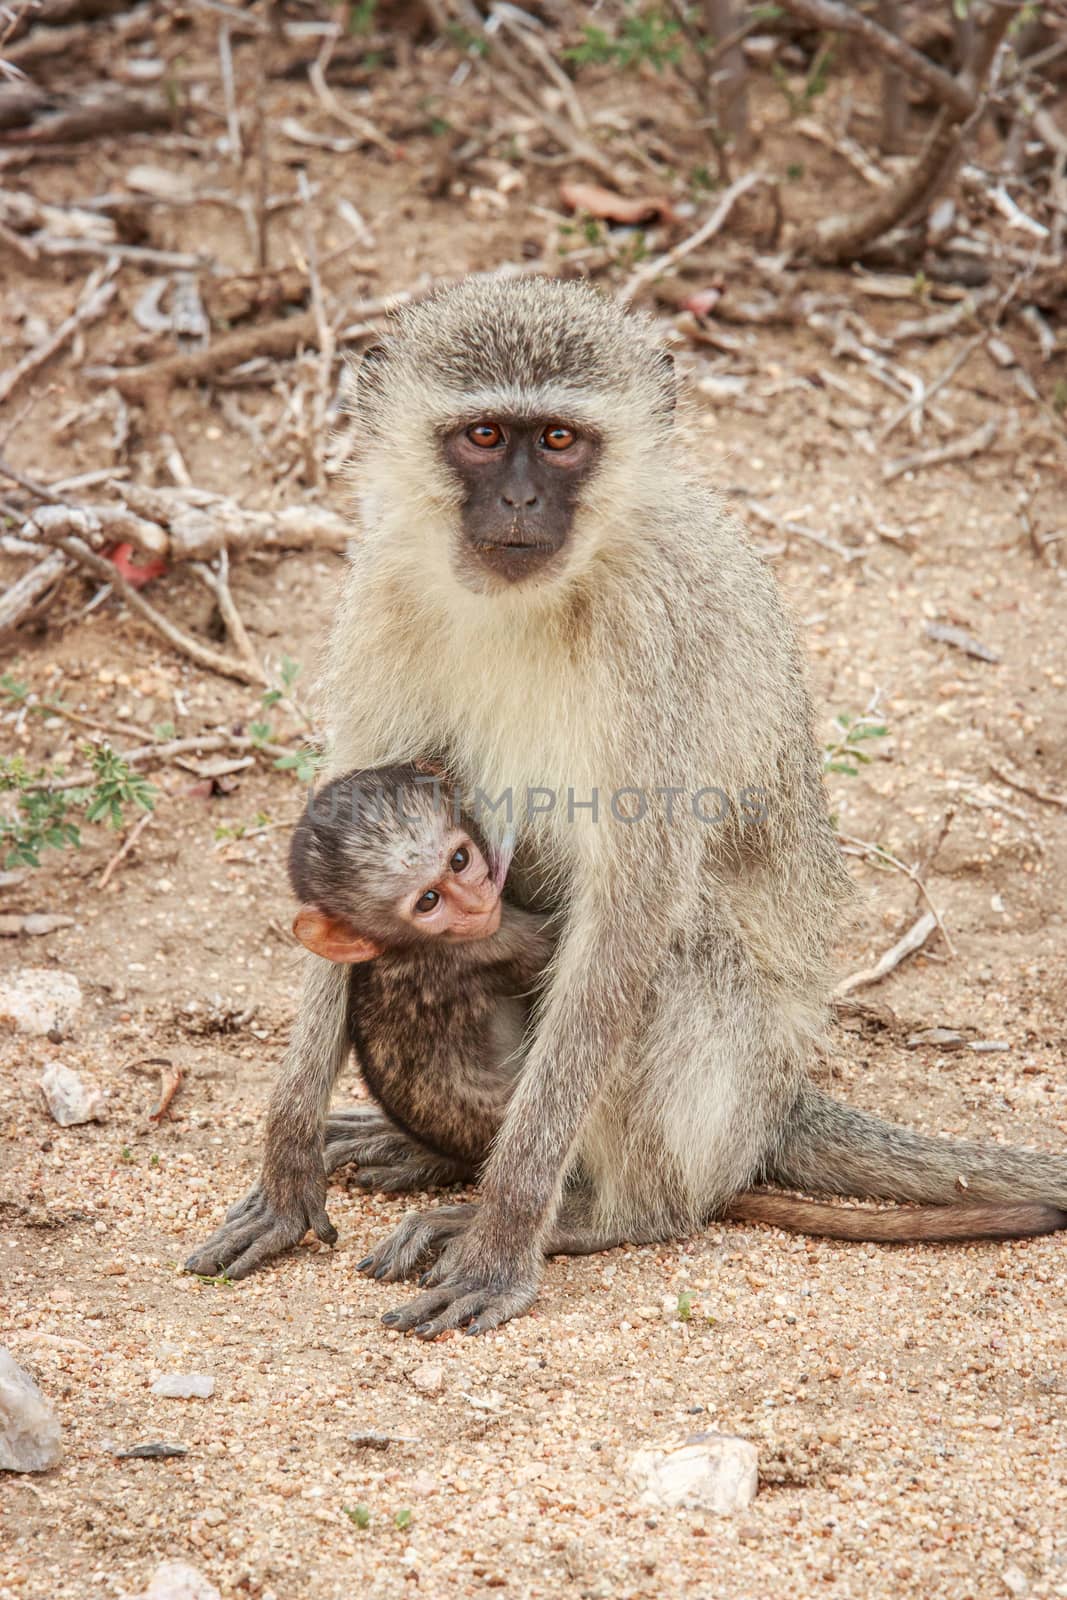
(702, 302)
(612, 207)
(136, 574)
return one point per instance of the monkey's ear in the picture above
(331, 938)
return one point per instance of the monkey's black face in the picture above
(521, 481)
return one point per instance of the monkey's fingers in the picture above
(255, 1235)
(417, 1237)
(251, 1203)
(272, 1243)
(458, 1305)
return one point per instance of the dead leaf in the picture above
(612, 207)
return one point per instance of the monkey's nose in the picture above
(520, 499)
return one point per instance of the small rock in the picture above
(156, 1451)
(184, 1386)
(429, 1379)
(41, 1001)
(177, 1580)
(1015, 1580)
(29, 1428)
(32, 925)
(369, 1439)
(942, 1038)
(709, 1472)
(69, 1098)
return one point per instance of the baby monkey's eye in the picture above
(460, 859)
(558, 438)
(426, 902)
(486, 435)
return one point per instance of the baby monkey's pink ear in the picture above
(332, 938)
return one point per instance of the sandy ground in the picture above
(908, 1404)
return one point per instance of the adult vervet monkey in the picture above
(546, 601)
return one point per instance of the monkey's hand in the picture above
(472, 1287)
(272, 1217)
(417, 1242)
(388, 1160)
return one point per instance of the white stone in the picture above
(69, 1098)
(184, 1386)
(177, 1580)
(1015, 1581)
(29, 1428)
(429, 1379)
(40, 1000)
(709, 1472)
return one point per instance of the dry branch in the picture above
(845, 235)
(278, 340)
(707, 230)
(958, 450)
(913, 940)
(190, 524)
(22, 596)
(839, 18)
(202, 654)
(97, 295)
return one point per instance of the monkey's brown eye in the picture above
(486, 435)
(460, 859)
(426, 902)
(558, 438)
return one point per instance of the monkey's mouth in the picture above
(511, 560)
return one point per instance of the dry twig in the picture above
(706, 231)
(97, 295)
(202, 654)
(912, 941)
(124, 849)
(972, 444)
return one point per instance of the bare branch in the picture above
(840, 18)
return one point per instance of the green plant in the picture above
(115, 785)
(644, 35)
(685, 1305)
(46, 817)
(844, 754)
(403, 1518)
(815, 80)
(1059, 396)
(359, 1515)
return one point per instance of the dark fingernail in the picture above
(424, 1328)
(391, 1317)
(472, 1327)
(361, 1266)
(380, 1272)
(424, 1277)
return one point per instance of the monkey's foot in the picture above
(417, 1242)
(388, 1160)
(257, 1228)
(468, 1293)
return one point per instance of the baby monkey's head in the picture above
(385, 859)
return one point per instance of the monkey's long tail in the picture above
(987, 1191)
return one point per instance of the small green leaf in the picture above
(403, 1518)
(360, 1515)
(685, 1306)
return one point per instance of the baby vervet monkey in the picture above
(397, 883)
(395, 880)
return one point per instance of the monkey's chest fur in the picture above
(439, 1044)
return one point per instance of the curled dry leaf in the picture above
(170, 1081)
(612, 207)
(137, 574)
